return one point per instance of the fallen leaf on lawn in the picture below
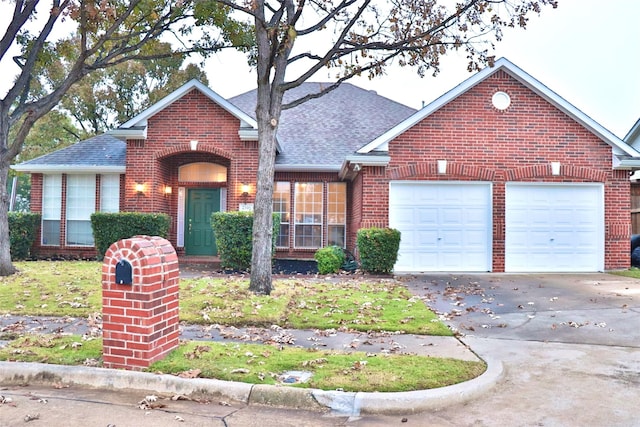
(240, 371)
(191, 373)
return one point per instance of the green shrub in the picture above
(378, 248)
(22, 233)
(233, 232)
(108, 228)
(330, 259)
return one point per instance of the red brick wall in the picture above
(482, 143)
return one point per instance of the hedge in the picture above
(108, 228)
(234, 238)
(378, 248)
(22, 233)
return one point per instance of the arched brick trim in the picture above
(186, 148)
(430, 169)
(544, 170)
(588, 174)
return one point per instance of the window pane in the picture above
(281, 205)
(202, 172)
(79, 233)
(308, 214)
(81, 202)
(51, 209)
(51, 232)
(308, 236)
(110, 193)
(336, 235)
(337, 213)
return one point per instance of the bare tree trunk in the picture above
(6, 267)
(262, 216)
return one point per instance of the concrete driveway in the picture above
(599, 309)
(568, 343)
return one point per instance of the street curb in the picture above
(340, 403)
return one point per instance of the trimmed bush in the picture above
(234, 238)
(108, 228)
(22, 233)
(330, 259)
(378, 248)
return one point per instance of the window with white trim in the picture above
(110, 193)
(282, 206)
(308, 202)
(51, 209)
(81, 203)
(336, 213)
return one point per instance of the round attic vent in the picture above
(501, 100)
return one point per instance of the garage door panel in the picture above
(554, 227)
(450, 227)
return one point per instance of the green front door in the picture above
(199, 239)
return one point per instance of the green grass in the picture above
(263, 364)
(633, 272)
(57, 349)
(52, 288)
(74, 288)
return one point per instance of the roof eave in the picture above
(307, 168)
(129, 133)
(68, 169)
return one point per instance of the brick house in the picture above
(499, 174)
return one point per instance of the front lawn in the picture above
(346, 303)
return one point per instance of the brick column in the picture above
(140, 320)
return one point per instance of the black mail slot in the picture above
(124, 275)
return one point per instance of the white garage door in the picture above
(444, 226)
(554, 227)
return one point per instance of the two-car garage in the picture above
(448, 226)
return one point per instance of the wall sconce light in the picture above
(139, 188)
(555, 168)
(167, 190)
(245, 189)
(442, 167)
(194, 144)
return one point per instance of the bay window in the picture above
(318, 210)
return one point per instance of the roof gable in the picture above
(619, 146)
(135, 128)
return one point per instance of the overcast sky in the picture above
(586, 52)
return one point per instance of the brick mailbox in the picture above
(140, 287)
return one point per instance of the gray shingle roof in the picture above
(317, 133)
(99, 151)
(324, 130)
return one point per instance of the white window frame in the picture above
(81, 203)
(110, 193)
(308, 213)
(51, 206)
(284, 211)
(337, 211)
